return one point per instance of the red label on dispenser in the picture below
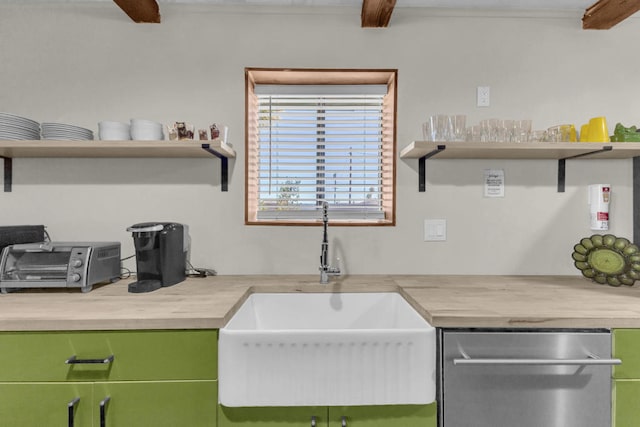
(603, 216)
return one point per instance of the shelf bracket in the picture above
(422, 167)
(8, 173)
(224, 166)
(562, 164)
(636, 199)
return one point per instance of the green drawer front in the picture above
(138, 355)
(626, 346)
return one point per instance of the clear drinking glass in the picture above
(554, 134)
(523, 130)
(495, 125)
(538, 136)
(444, 127)
(429, 129)
(459, 127)
(485, 130)
(474, 133)
(506, 131)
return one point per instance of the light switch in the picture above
(435, 230)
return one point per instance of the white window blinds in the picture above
(321, 143)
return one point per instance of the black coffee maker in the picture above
(161, 254)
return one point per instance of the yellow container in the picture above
(584, 133)
(598, 130)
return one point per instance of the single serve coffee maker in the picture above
(161, 254)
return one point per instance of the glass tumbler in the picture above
(444, 128)
(429, 129)
(459, 127)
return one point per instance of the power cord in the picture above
(191, 270)
(199, 272)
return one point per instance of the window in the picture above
(315, 136)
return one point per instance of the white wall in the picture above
(81, 64)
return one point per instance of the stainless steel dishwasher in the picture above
(525, 378)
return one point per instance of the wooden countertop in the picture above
(445, 301)
(523, 302)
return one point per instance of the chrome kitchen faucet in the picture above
(325, 269)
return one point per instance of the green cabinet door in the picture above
(355, 416)
(384, 416)
(300, 416)
(626, 403)
(156, 403)
(130, 404)
(626, 346)
(45, 404)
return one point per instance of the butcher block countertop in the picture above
(445, 301)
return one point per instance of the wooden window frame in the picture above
(302, 76)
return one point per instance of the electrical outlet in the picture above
(435, 230)
(484, 96)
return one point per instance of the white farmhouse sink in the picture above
(304, 349)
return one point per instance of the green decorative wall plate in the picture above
(607, 259)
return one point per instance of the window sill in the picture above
(318, 222)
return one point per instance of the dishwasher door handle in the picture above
(590, 361)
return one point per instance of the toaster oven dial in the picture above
(76, 263)
(76, 277)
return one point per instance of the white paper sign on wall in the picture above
(494, 183)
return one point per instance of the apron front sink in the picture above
(336, 349)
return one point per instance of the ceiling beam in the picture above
(376, 13)
(606, 13)
(141, 10)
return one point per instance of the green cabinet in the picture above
(626, 346)
(384, 416)
(354, 416)
(138, 355)
(273, 416)
(135, 403)
(110, 378)
(626, 386)
(156, 403)
(45, 404)
(626, 403)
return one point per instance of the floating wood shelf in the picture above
(525, 150)
(115, 149)
(560, 151)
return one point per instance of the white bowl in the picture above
(113, 131)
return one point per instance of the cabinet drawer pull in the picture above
(71, 406)
(103, 411)
(73, 360)
(313, 421)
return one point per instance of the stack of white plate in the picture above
(16, 127)
(113, 131)
(146, 130)
(61, 131)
